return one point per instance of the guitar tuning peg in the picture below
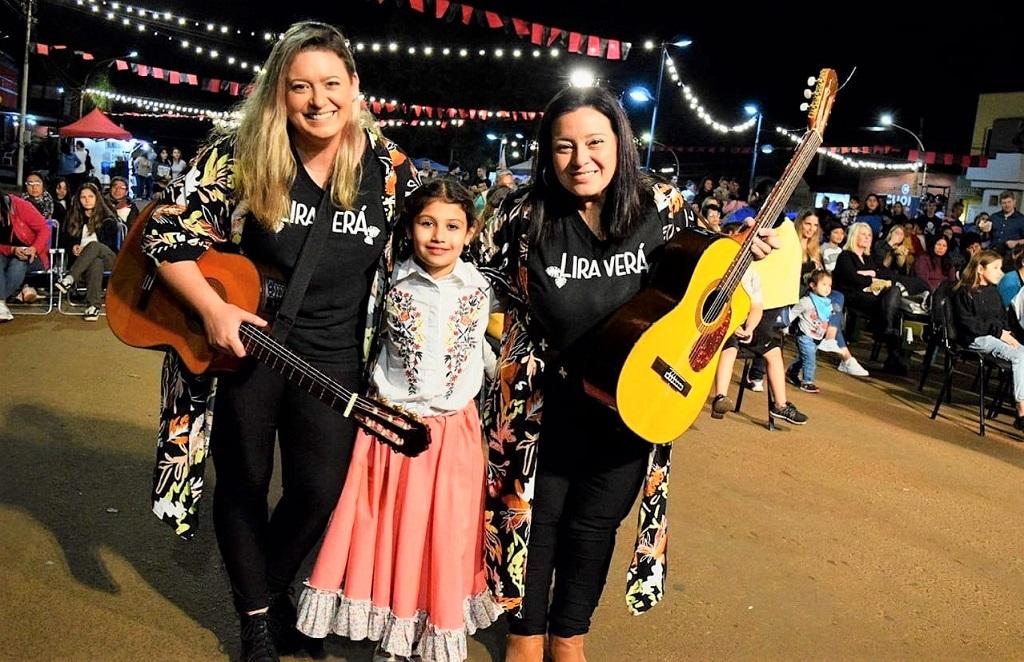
(808, 94)
(811, 80)
(804, 106)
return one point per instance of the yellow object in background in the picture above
(780, 271)
(495, 323)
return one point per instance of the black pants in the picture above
(883, 310)
(589, 472)
(262, 555)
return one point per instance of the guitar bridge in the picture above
(671, 377)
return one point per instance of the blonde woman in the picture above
(303, 134)
(809, 231)
(868, 288)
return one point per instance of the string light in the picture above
(156, 104)
(695, 105)
(858, 164)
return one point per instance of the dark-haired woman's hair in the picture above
(78, 217)
(443, 189)
(628, 192)
(817, 275)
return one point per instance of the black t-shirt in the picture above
(333, 311)
(577, 280)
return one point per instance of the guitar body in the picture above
(152, 317)
(655, 359)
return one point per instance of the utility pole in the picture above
(23, 120)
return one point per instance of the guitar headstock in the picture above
(825, 87)
(404, 431)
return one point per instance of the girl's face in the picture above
(584, 152)
(897, 237)
(439, 233)
(908, 229)
(941, 246)
(991, 273)
(837, 236)
(871, 204)
(87, 199)
(897, 208)
(709, 185)
(808, 227)
(176, 153)
(823, 287)
(62, 189)
(163, 155)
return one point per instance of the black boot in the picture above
(282, 621)
(257, 639)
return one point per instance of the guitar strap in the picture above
(309, 256)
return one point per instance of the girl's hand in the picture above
(867, 272)
(76, 249)
(1008, 338)
(221, 323)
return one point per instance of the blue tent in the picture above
(424, 163)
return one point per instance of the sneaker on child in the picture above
(91, 314)
(809, 387)
(5, 313)
(830, 346)
(853, 368)
(756, 385)
(721, 406)
(790, 413)
(65, 283)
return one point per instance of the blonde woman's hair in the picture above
(812, 247)
(264, 166)
(970, 277)
(851, 235)
(895, 228)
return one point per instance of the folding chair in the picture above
(35, 275)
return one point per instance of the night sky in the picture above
(928, 69)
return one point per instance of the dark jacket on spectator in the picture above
(845, 277)
(977, 313)
(933, 270)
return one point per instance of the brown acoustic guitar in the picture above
(655, 358)
(143, 312)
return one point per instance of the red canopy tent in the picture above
(94, 125)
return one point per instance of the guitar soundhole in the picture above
(709, 313)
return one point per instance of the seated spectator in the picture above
(831, 249)
(981, 320)
(891, 252)
(1011, 282)
(870, 289)
(36, 193)
(814, 313)
(24, 247)
(711, 212)
(61, 200)
(936, 266)
(809, 232)
(91, 234)
(759, 333)
(119, 202)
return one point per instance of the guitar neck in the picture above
(297, 370)
(774, 205)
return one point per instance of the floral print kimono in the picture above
(512, 421)
(203, 211)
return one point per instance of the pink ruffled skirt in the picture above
(402, 560)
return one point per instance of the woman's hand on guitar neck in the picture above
(221, 321)
(766, 240)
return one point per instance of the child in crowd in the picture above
(812, 313)
(402, 559)
(982, 323)
(759, 333)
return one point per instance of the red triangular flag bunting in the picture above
(416, 5)
(467, 14)
(143, 70)
(493, 20)
(42, 49)
(440, 8)
(613, 52)
(174, 78)
(521, 27)
(158, 73)
(121, 65)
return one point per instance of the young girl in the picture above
(982, 322)
(402, 560)
(813, 313)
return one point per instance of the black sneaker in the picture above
(789, 413)
(721, 406)
(809, 387)
(793, 377)
(257, 639)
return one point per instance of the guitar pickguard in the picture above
(706, 347)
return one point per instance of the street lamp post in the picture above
(504, 140)
(102, 63)
(679, 43)
(886, 120)
(652, 141)
(752, 110)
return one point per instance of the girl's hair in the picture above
(628, 191)
(851, 235)
(812, 249)
(264, 165)
(816, 277)
(57, 182)
(77, 216)
(970, 277)
(443, 189)
(893, 230)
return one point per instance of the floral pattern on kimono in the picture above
(202, 210)
(512, 418)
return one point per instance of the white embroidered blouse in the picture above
(434, 349)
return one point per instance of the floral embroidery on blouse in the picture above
(405, 331)
(461, 336)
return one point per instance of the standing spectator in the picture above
(24, 246)
(849, 215)
(705, 190)
(1012, 281)
(929, 221)
(161, 170)
(178, 163)
(831, 249)
(60, 200)
(1006, 225)
(80, 162)
(899, 217)
(36, 193)
(143, 176)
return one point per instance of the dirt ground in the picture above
(871, 533)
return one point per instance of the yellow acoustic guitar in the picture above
(655, 359)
